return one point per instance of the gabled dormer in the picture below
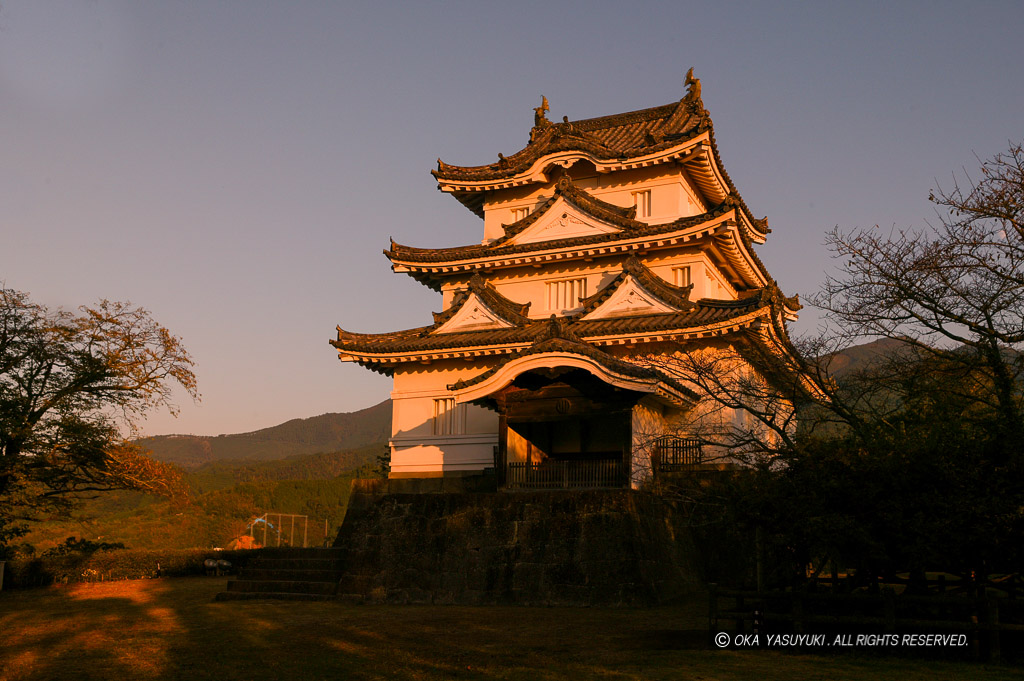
(570, 213)
(480, 307)
(636, 291)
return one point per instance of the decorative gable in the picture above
(473, 315)
(629, 299)
(637, 291)
(562, 221)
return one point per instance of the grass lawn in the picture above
(172, 629)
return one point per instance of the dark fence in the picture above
(676, 453)
(944, 584)
(555, 474)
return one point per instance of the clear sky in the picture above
(237, 167)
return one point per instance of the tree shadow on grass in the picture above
(172, 629)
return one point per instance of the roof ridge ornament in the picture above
(557, 328)
(692, 99)
(632, 264)
(476, 282)
(540, 120)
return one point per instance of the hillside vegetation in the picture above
(325, 433)
(225, 497)
(303, 466)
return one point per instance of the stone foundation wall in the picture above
(614, 547)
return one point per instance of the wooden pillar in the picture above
(627, 451)
(501, 455)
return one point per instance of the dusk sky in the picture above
(237, 167)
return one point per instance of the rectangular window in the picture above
(642, 201)
(519, 213)
(565, 294)
(449, 418)
(681, 275)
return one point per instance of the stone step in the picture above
(261, 572)
(283, 586)
(299, 564)
(279, 596)
(293, 552)
(289, 573)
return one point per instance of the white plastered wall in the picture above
(417, 450)
(708, 281)
(709, 419)
(649, 421)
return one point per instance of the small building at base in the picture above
(608, 244)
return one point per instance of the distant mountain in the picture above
(864, 356)
(325, 433)
(226, 473)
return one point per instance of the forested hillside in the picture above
(224, 497)
(325, 433)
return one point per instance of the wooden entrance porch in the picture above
(563, 429)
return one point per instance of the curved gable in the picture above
(562, 220)
(473, 315)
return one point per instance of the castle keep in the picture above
(606, 242)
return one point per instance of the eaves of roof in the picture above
(409, 255)
(563, 346)
(705, 317)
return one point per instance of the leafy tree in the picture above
(72, 387)
(74, 545)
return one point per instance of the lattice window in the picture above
(681, 275)
(566, 294)
(519, 213)
(449, 418)
(642, 201)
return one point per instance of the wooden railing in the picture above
(676, 453)
(554, 474)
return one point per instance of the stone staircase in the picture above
(289, 574)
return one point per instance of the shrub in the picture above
(115, 565)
